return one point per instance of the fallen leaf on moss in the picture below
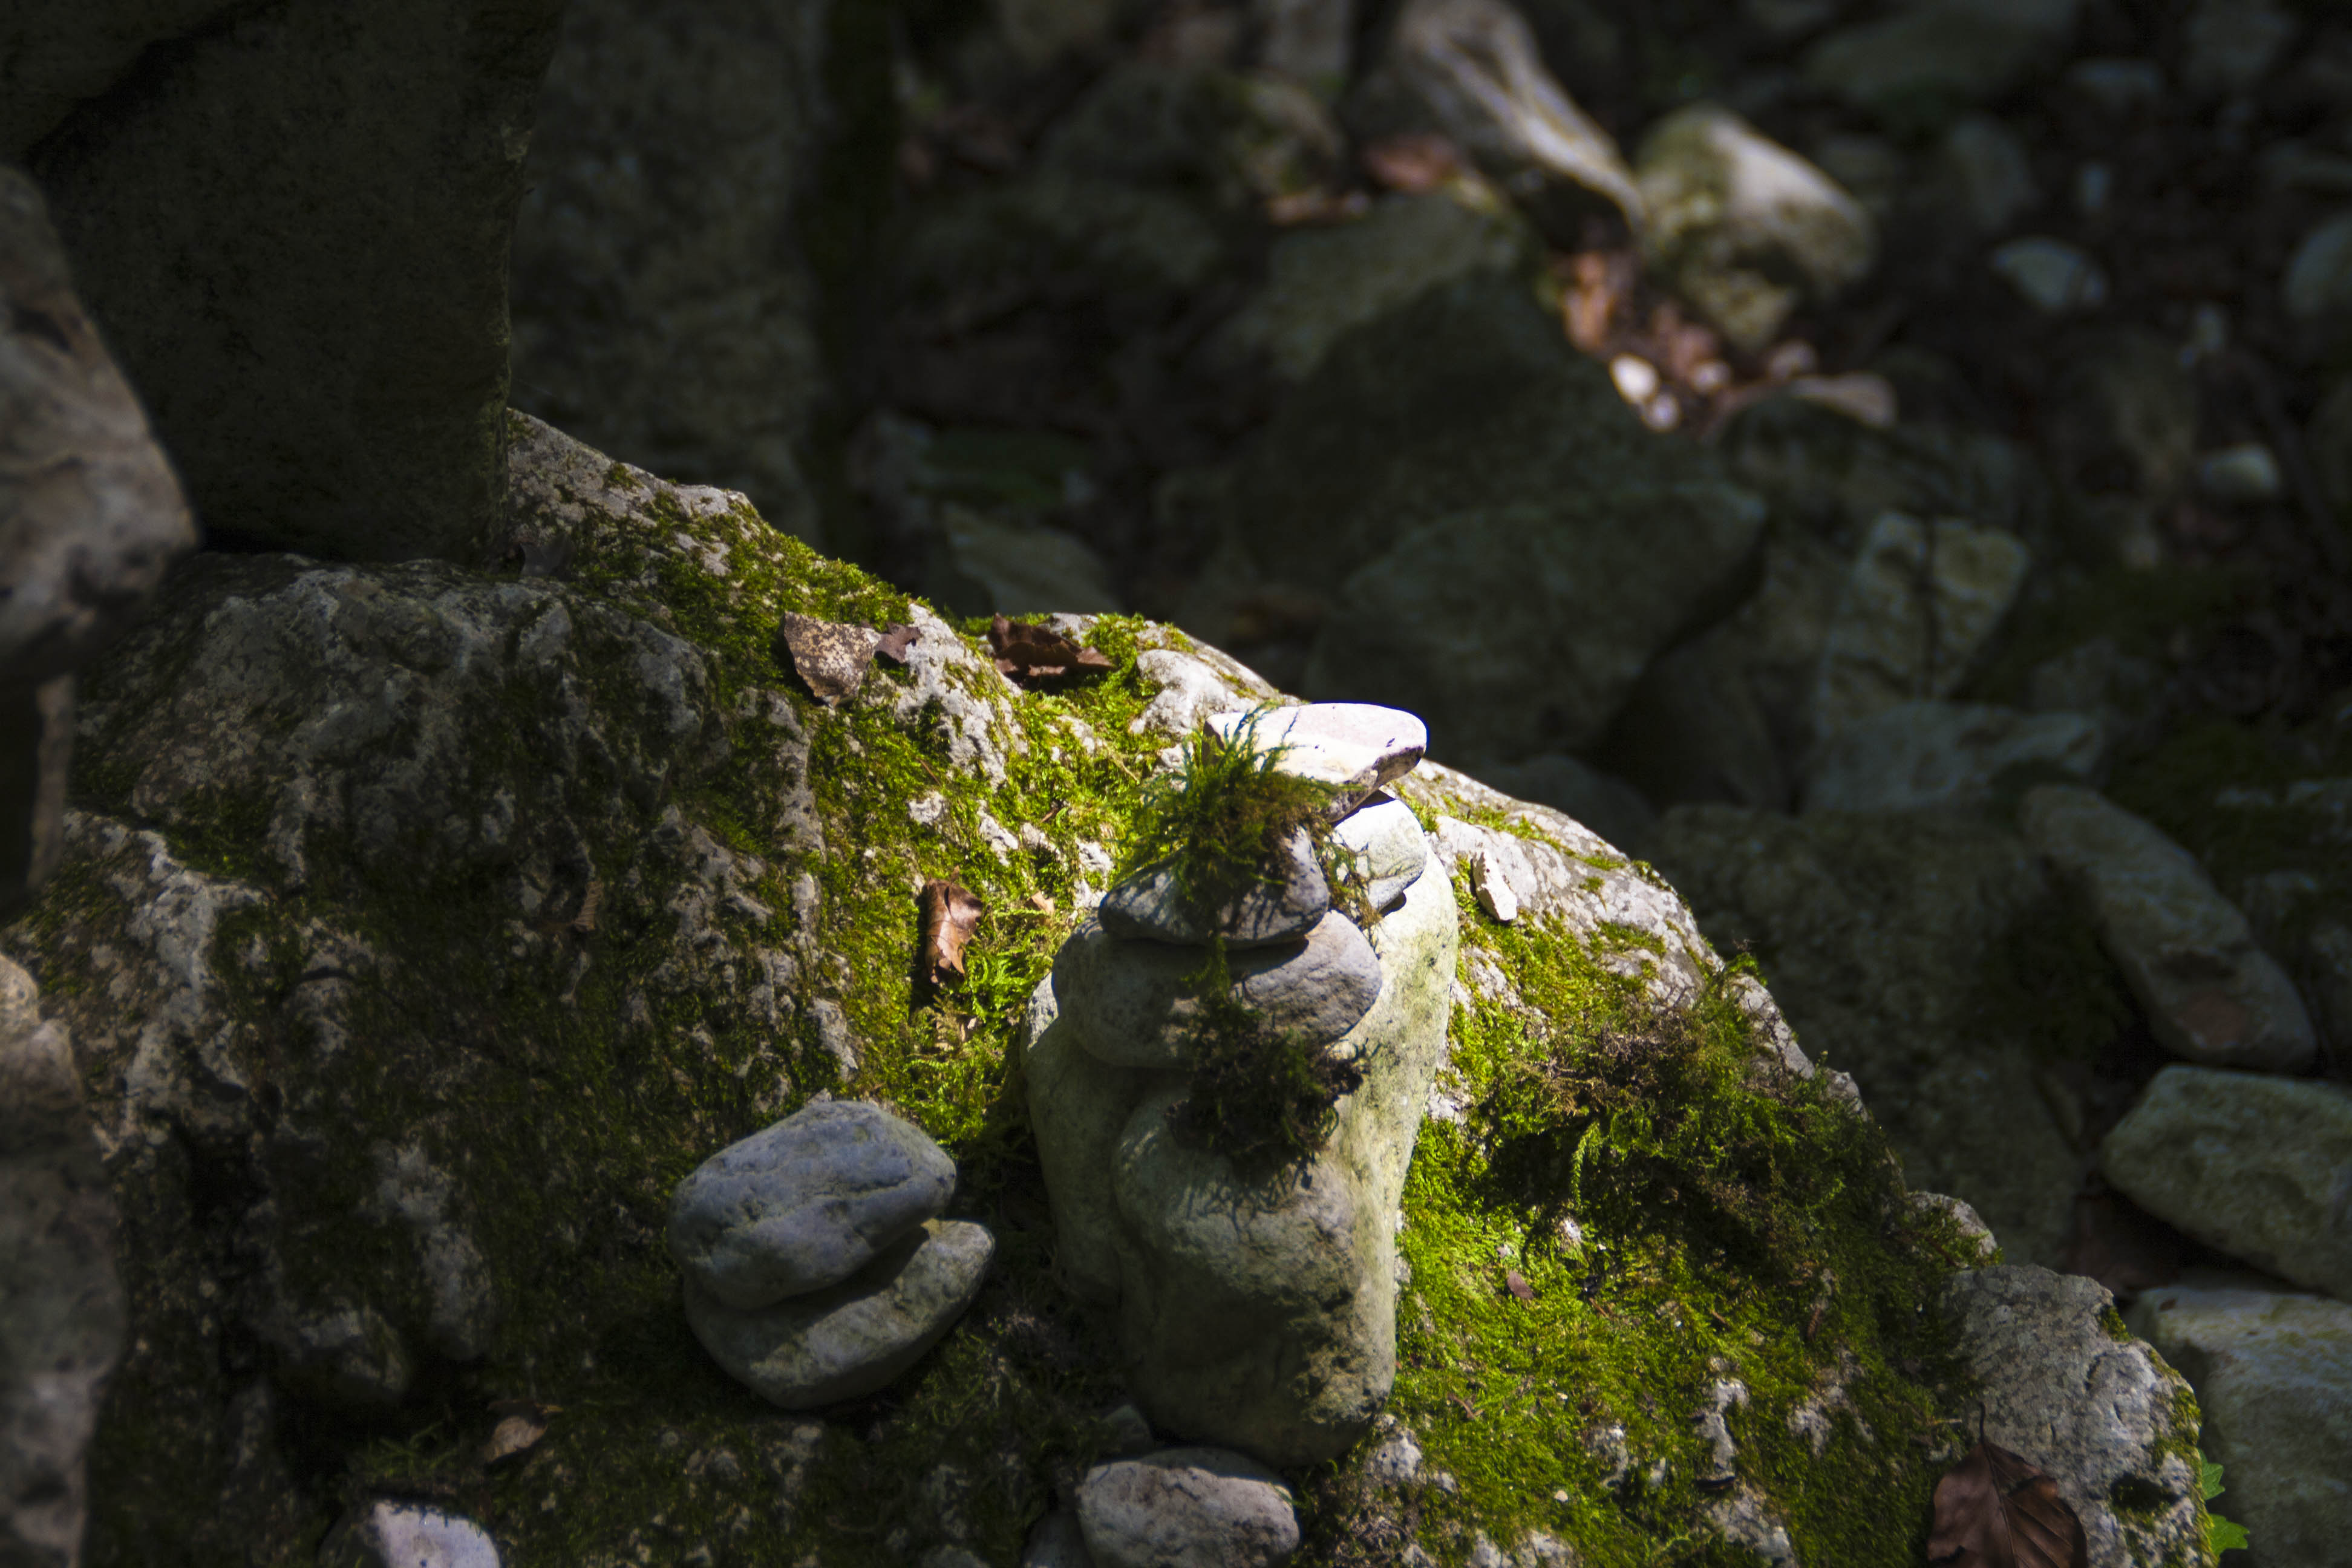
(1026, 652)
(1995, 1511)
(1517, 1284)
(521, 1424)
(950, 913)
(830, 656)
(895, 641)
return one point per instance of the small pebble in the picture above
(2243, 473)
(2052, 276)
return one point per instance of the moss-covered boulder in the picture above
(422, 927)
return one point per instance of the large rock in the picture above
(2252, 1164)
(664, 310)
(295, 238)
(90, 518)
(2273, 1373)
(1919, 601)
(806, 1203)
(853, 1336)
(2211, 996)
(61, 1316)
(2068, 1389)
(1923, 954)
(1472, 70)
(1923, 61)
(1742, 227)
(1919, 754)
(1255, 1312)
(56, 53)
(1187, 1508)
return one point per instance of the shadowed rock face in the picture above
(293, 229)
(90, 518)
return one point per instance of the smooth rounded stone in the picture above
(397, 1533)
(2240, 475)
(855, 1337)
(2211, 995)
(1924, 59)
(1878, 650)
(1390, 848)
(2318, 281)
(1324, 281)
(1733, 215)
(1925, 754)
(1984, 165)
(1057, 1541)
(1981, 1240)
(2117, 85)
(1136, 1004)
(2054, 276)
(1147, 906)
(806, 1203)
(2230, 45)
(2098, 1413)
(2273, 1372)
(1258, 1315)
(1356, 747)
(1187, 1508)
(2258, 1167)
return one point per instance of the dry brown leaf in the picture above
(584, 922)
(950, 913)
(1517, 1284)
(1026, 652)
(895, 641)
(1995, 1511)
(1418, 162)
(521, 1424)
(830, 656)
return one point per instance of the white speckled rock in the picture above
(2212, 996)
(2068, 1389)
(1390, 848)
(388, 1533)
(2273, 1373)
(1147, 906)
(2258, 1167)
(806, 1203)
(1187, 1508)
(1136, 1004)
(853, 1336)
(1354, 746)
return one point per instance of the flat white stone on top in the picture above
(1357, 746)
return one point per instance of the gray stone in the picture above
(1471, 70)
(90, 519)
(2121, 416)
(1984, 164)
(397, 1533)
(663, 308)
(1608, 805)
(1149, 906)
(1255, 1313)
(1920, 754)
(350, 1359)
(1354, 747)
(2273, 1373)
(63, 1312)
(2087, 1404)
(1323, 281)
(852, 1338)
(1923, 61)
(806, 1203)
(1918, 602)
(1057, 1541)
(2117, 85)
(2229, 46)
(2241, 475)
(1137, 1003)
(1390, 851)
(1981, 1240)
(2318, 281)
(2252, 1164)
(1187, 1508)
(1236, 140)
(326, 377)
(1742, 227)
(1880, 933)
(2054, 276)
(2211, 996)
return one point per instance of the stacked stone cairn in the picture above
(816, 1266)
(1255, 1310)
